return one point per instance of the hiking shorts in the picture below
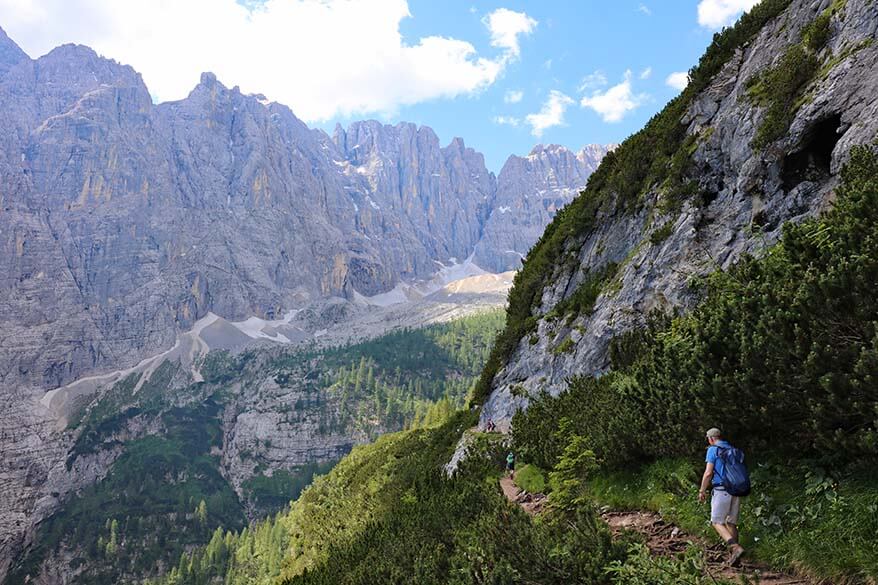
(724, 507)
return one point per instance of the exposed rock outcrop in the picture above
(124, 222)
(530, 191)
(750, 194)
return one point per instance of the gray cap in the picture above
(714, 433)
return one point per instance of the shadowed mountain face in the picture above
(123, 222)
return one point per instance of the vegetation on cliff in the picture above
(788, 340)
(783, 355)
(656, 157)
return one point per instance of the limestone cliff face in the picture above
(123, 222)
(751, 194)
(530, 191)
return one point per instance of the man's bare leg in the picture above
(729, 534)
(724, 532)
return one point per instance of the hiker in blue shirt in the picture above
(724, 507)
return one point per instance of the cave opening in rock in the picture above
(812, 161)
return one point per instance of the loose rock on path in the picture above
(530, 503)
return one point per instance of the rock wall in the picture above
(123, 222)
(530, 191)
(752, 192)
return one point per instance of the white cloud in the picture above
(551, 114)
(678, 80)
(592, 81)
(507, 120)
(644, 9)
(719, 13)
(646, 73)
(613, 104)
(506, 26)
(323, 58)
(513, 96)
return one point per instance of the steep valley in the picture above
(183, 458)
(241, 307)
(718, 270)
(138, 236)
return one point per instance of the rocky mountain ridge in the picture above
(124, 224)
(653, 254)
(145, 217)
(530, 191)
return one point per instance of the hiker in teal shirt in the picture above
(510, 465)
(724, 507)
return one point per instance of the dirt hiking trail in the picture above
(530, 503)
(665, 539)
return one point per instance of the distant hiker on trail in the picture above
(727, 475)
(490, 427)
(510, 465)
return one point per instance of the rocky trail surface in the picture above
(530, 503)
(664, 539)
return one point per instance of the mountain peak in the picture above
(208, 78)
(72, 51)
(539, 149)
(457, 143)
(10, 53)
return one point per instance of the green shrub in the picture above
(565, 346)
(817, 33)
(779, 88)
(643, 568)
(530, 479)
(662, 233)
(600, 410)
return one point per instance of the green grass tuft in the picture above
(662, 233)
(530, 478)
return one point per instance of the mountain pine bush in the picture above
(782, 354)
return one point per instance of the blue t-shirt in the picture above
(713, 457)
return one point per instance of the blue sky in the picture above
(503, 75)
(571, 41)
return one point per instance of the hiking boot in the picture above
(735, 556)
